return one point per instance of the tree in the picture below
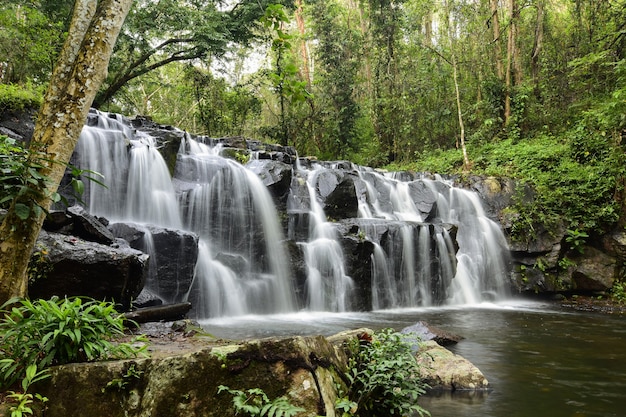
(338, 56)
(161, 32)
(29, 42)
(455, 77)
(79, 72)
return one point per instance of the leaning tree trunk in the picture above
(79, 72)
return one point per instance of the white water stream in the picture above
(243, 267)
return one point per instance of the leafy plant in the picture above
(122, 383)
(20, 178)
(254, 402)
(384, 377)
(58, 331)
(576, 239)
(23, 401)
(39, 267)
(618, 291)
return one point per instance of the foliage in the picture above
(125, 380)
(20, 177)
(384, 377)
(23, 401)
(618, 291)
(30, 39)
(574, 177)
(14, 98)
(42, 333)
(254, 402)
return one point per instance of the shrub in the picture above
(13, 98)
(384, 377)
(42, 333)
(254, 402)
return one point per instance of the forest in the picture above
(529, 89)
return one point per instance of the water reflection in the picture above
(539, 360)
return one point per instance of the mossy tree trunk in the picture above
(78, 74)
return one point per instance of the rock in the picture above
(89, 227)
(425, 332)
(342, 202)
(75, 267)
(594, 271)
(304, 369)
(424, 198)
(276, 176)
(18, 125)
(443, 370)
(57, 220)
(173, 256)
(146, 298)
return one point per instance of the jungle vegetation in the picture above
(534, 90)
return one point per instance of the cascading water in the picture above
(480, 262)
(421, 241)
(241, 268)
(328, 287)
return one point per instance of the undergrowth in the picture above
(35, 335)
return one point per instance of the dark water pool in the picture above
(540, 360)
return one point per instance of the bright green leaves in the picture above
(22, 180)
(384, 376)
(254, 402)
(41, 333)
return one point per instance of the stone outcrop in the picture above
(70, 266)
(444, 370)
(304, 369)
(308, 371)
(173, 255)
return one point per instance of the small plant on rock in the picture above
(254, 402)
(384, 377)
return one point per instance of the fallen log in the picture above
(167, 312)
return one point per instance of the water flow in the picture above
(422, 258)
(242, 259)
(138, 185)
(243, 267)
(328, 287)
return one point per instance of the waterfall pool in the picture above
(540, 359)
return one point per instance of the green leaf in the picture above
(22, 211)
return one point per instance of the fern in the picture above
(254, 402)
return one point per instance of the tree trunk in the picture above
(512, 55)
(538, 44)
(304, 50)
(79, 72)
(495, 24)
(457, 91)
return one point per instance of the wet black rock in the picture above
(71, 266)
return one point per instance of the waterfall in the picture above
(232, 211)
(328, 287)
(347, 238)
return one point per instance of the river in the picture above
(540, 359)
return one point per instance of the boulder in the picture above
(444, 370)
(185, 383)
(89, 227)
(594, 271)
(342, 202)
(276, 176)
(71, 266)
(173, 256)
(424, 332)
